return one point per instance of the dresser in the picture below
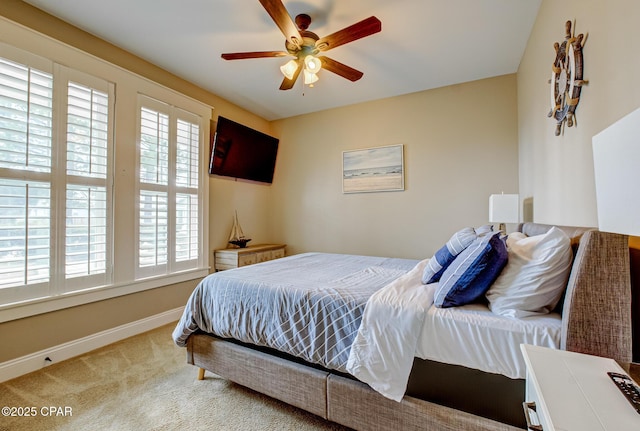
(229, 258)
(568, 391)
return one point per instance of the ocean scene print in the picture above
(373, 169)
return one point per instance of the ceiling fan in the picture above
(305, 46)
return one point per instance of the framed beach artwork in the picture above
(377, 169)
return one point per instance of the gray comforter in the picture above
(308, 305)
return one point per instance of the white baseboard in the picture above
(35, 361)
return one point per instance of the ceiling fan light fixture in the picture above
(312, 64)
(307, 47)
(309, 78)
(289, 69)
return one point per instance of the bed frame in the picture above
(596, 319)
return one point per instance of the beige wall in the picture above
(557, 172)
(29, 335)
(460, 145)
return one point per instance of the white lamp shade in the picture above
(504, 208)
(616, 162)
(309, 78)
(312, 64)
(289, 68)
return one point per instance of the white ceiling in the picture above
(424, 44)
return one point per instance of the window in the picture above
(88, 210)
(55, 148)
(168, 188)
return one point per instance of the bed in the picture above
(442, 388)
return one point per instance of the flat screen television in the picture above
(239, 151)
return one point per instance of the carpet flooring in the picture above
(141, 383)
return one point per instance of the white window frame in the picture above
(127, 86)
(58, 283)
(71, 284)
(171, 189)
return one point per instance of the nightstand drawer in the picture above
(277, 254)
(264, 256)
(247, 259)
(536, 418)
(230, 258)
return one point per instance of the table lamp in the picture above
(504, 209)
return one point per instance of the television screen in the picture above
(241, 152)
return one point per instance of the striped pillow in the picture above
(447, 253)
(472, 272)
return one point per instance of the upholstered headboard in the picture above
(596, 316)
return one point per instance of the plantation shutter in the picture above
(87, 193)
(26, 129)
(168, 189)
(153, 231)
(187, 180)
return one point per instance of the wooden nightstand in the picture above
(228, 258)
(572, 391)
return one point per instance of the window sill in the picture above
(33, 307)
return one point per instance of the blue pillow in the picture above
(447, 253)
(472, 272)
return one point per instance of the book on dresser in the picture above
(228, 258)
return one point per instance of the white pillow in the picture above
(535, 276)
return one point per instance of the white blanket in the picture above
(400, 322)
(383, 350)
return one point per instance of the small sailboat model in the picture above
(237, 237)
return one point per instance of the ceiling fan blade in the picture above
(361, 29)
(281, 17)
(287, 84)
(257, 54)
(340, 69)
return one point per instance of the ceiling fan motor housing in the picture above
(302, 21)
(309, 38)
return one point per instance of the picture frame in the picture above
(377, 169)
